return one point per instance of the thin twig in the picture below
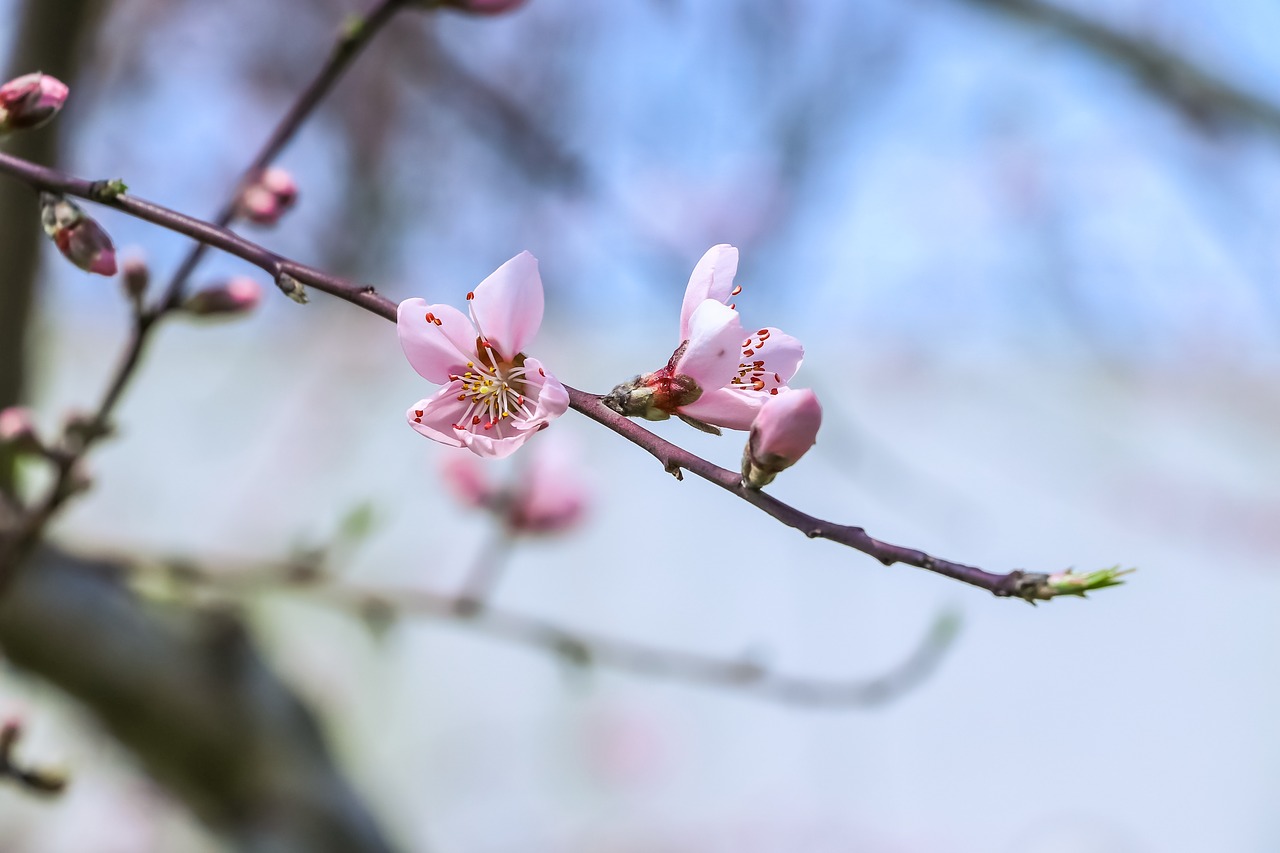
(1195, 91)
(1029, 586)
(746, 674)
(356, 34)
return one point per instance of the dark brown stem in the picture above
(1030, 586)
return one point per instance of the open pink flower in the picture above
(720, 375)
(768, 357)
(494, 396)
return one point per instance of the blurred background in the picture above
(1033, 256)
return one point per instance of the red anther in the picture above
(748, 352)
(490, 424)
(438, 323)
(777, 378)
(541, 372)
(471, 295)
(475, 420)
(746, 343)
(757, 384)
(457, 426)
(773, 391)
(462, 396)
(733, 306)
(764, 332)
(736, 291)
(758, 363)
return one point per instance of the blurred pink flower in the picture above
(785, 429)
(77, 235)
(544, 497)
(30, 101)
(495, 398)
(734, 401)
(239, 295)
(269, 197)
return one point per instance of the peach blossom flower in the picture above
(494, 397)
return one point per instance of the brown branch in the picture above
(190, 697)
(1195, 91)
(744, 675)
(1030, 586)
(356, 34)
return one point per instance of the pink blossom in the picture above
(269, 197)
(768, 357)
(77, 235)
(30, 101)
(720, 375)
(785, 429)
(545, 496)
(494, 397)
(18, 429)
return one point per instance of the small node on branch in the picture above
(673, 468)
(238, 295)
(108, 190)
(291, 288)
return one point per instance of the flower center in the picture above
(492, 389)
(752, 373)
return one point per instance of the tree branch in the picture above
(187, 693)
(1029, 586)
(744, 675)
(1195, 91)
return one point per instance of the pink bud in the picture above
(483, 7)
(464, 477)
(783, 431)
(135, 276)
(237, 296)
(18, 429)
(30, 101)
(268, 198)
(77, 235)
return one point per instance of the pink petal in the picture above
(508, 305)
(715, 345)
(782, 355)
(712, 279)
(727, 408)
(786, 427)
(467, 479)
(551, 399)
(438, 414)
(435, 349)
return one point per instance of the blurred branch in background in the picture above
(379, 607)
(189, 695)
(47, 39)
(1200, 95)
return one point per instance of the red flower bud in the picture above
(30, 101)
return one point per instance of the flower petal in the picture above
(508, 305)
(712, 279)
(714, 345)
(552, 400)
(435, 349)
(438, 415)
(782, 355)
(727, 408)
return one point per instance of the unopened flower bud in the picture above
(783, 431)
(30, 101)
(18, 430)
(77, 235)
(135, 277)
(483, 7)
(292, 288)
(653, 396)
(236, 296)
(468, 482)
(265, 200)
